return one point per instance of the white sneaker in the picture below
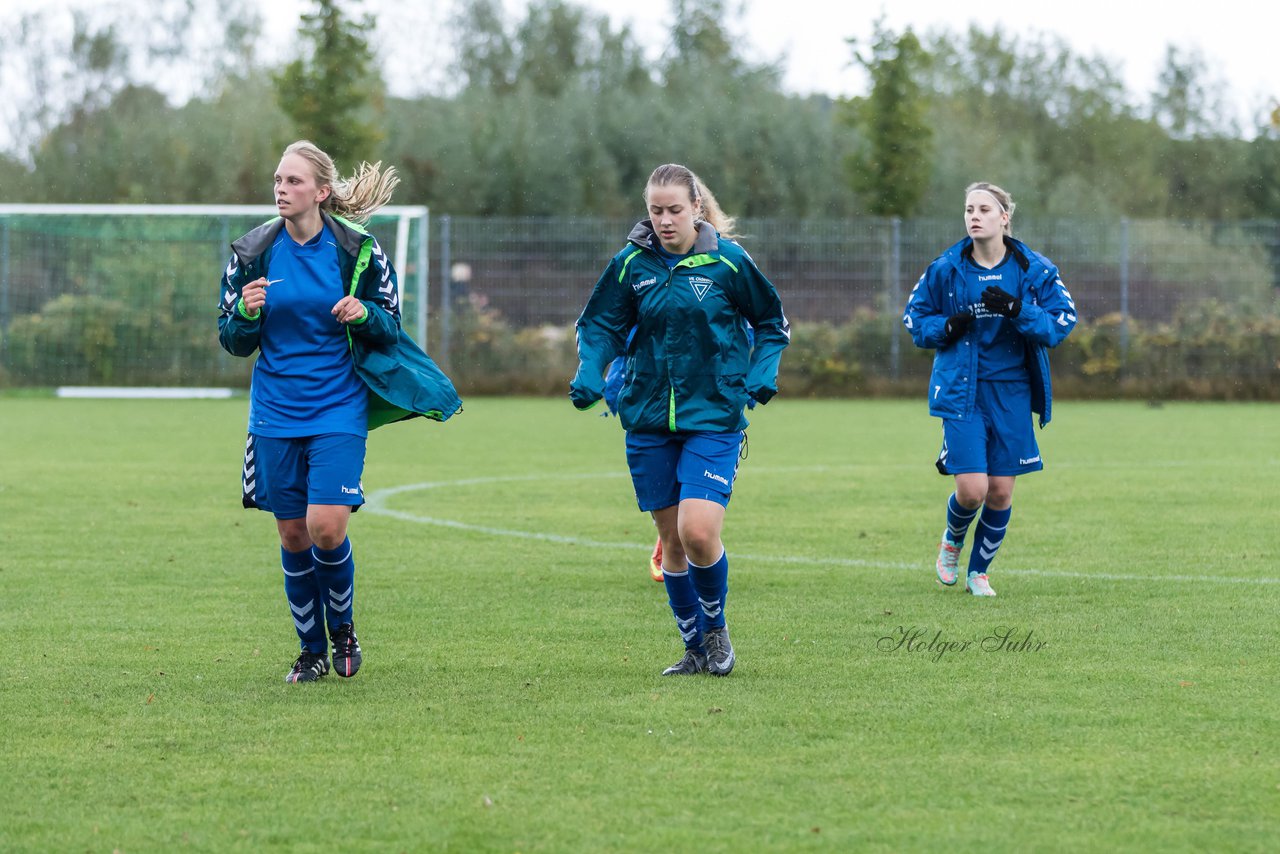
(978, 585)
(948, 560)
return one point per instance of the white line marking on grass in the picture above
(375, 503)
(130, 392)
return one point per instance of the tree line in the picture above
(560, 112)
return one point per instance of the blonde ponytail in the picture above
(356, 198)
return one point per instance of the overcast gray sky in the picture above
(1237, 38)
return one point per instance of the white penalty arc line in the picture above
(376, 503)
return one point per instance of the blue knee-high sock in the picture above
(302, 590)
(958, 520)
(684, 604)
(337, 571)
(712, 584)
(987, 538)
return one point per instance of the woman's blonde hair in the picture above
(355, 198)
(674, 173)
(1002, 198)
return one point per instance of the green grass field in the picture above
(510, 698)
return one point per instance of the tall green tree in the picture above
(1262, 187)
(486, 50)
(1187, 102)
(552, 46)
(700, 38)
(335, 93)
(1050, 125)
(891, 170)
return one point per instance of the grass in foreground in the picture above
(510, 699)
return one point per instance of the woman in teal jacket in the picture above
(990, 308)
(690, 291)
(312, 293)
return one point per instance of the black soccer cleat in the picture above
(693, 662)
(309, 667)
(346, 650)
(719, 651)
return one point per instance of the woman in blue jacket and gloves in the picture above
(313, 294)
(990, 307)
(686, 287)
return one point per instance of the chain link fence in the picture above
(128, 294)
(111, 300)
(539, 272)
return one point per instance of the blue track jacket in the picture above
(1048, 315)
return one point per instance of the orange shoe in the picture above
(655, 562)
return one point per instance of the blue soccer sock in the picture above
(958, 520)
(712, 584)
(302, 590)
(684, 605)
(987, 538)
(337, 571)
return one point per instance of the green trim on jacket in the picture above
(689, 366)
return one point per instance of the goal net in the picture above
(127, 295)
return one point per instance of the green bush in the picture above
(1209, 350)
(98, 340)
(488, 357)
(75, 339)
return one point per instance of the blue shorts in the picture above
(999, 439)
(667, 468)
(295, 473)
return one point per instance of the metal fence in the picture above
(540, 271)
(132, 301)
(128, 294)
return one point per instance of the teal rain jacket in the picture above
(689, 367)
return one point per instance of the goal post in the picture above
(126, 295)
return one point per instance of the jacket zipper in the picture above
(671, 389)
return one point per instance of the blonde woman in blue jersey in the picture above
(685, 287)
(312, 293)
(990, 307)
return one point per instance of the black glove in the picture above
(1000, 302)
(957, 326)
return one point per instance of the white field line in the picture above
(376, 503)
